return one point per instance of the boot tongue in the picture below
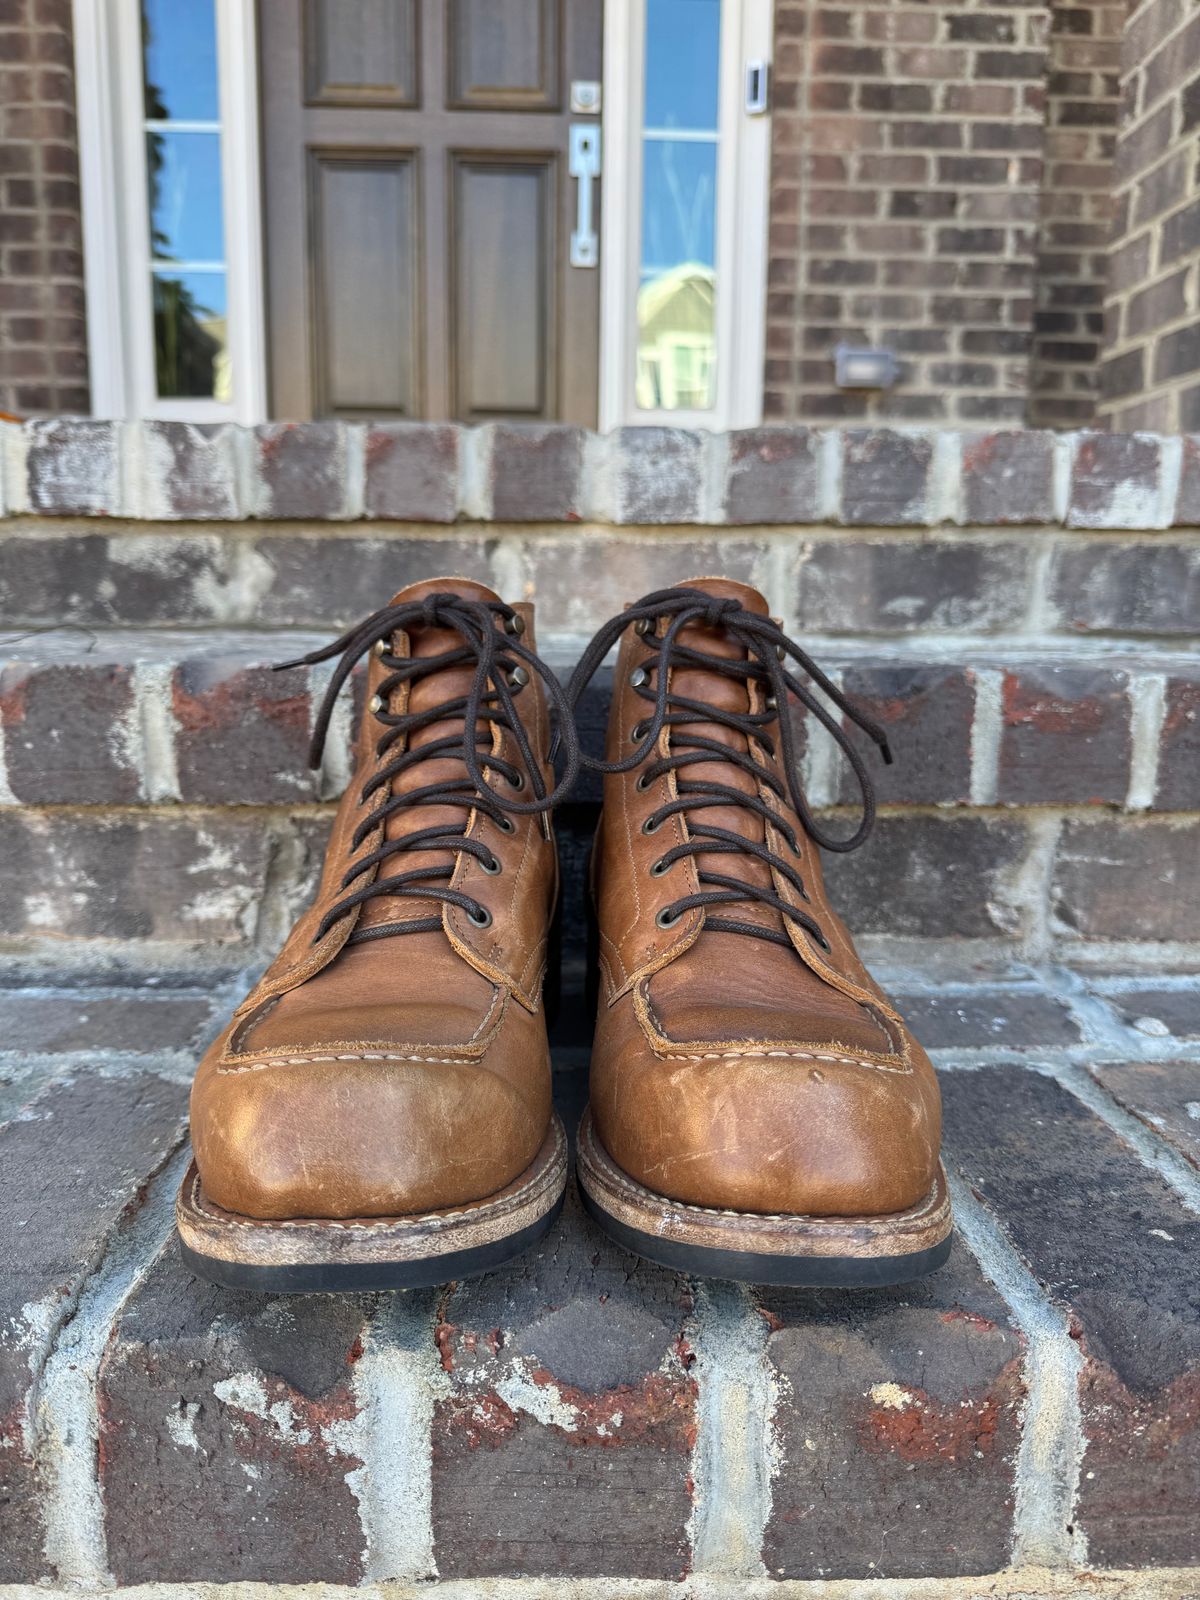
(425, 694)
(710, 687)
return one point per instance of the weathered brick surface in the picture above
(658, 475)
(927, 713)
(137, 1022)
(1134, 588)
(111, 578)
(1067, 1190)
(328, 582)
(72, 468)
(301, 469)
(981, 1019)
(195, 878)
(772, 476)
(899, 1424)
(1165, 1095)
(1121, 881)
(241, 731)
(945, 877)
(849, 585)
(43, 335)
(1114, 482)
(1177, 1009)
(1008, 477)
(71, 1168)
(412, 471)
(536, 473)
(563, 1447)
(194, 470)
(1179, 750)
(67, 732)
(1066, 735)
(885, 478)
(223, 1448)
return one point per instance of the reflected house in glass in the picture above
(677, 345)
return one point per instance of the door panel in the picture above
(502, 211)
(361, 52)
(503, 54)
(365, 211)
(419, 208)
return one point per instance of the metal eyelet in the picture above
(644, 627)
(518, 677)
(667, 917)
(375, 704)
(780, 653)
(650, 826)
(517, 783)
(481, 918)
(771, 704)
(381, 647)
(638, 677)
(643, 782)
(661, 868)
(638, 732)
(514, 626)
(506, 824)
(494, 867)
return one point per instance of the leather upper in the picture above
(411, 1072)
(729, 1071)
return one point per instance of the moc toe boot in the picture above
(758, 1108)
(377, 1114)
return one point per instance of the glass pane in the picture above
(191, 352)
(683, 53)
(184, 174)
(676, 292)
(180, 43)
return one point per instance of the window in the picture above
(684, 262)
(168, 139)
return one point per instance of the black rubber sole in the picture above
(749, 1266)
(351, 1277)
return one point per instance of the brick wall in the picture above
(1151, 374)
(907, 160)
(1075, 226)
(43, 334)
(1022, 610)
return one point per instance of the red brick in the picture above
(1178, 787)
(1065, 736)
(537, 473)
(242, 731)
(412, 471)
(302, 469)
(772, 476)
(885, 478)
(68, 733)
(1121, 880)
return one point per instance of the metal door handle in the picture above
(584, 165)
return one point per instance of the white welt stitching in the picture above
(362, 1055)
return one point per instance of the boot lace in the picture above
(768, 649)
(502, 668)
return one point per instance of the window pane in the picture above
(184, 173)
(191, 352)
(180, 43)
(676, 292)
(682, 63)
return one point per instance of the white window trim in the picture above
(743, 185)
(112, 159)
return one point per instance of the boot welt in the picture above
(845, 1252)
(308, 1255)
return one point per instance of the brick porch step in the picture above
(581, 1415)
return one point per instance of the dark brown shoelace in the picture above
(767, 648)
(500, 661)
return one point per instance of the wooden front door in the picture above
(420, 207)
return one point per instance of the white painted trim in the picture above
(743, 185)
(101, 207)
(116, 239)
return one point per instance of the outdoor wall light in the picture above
(864, 368)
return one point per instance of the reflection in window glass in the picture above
(676, 303)
(191, 348)
(185, 201)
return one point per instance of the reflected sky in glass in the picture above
(679, 211)
(682, 62)
(185, 196)
(180, 41)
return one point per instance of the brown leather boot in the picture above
(758, 1108)
(378, 1114)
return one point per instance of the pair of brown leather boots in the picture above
(378, 1112)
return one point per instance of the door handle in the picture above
(584, 165)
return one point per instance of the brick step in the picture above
(122, 718)
(821, 579)
(580, 1414)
